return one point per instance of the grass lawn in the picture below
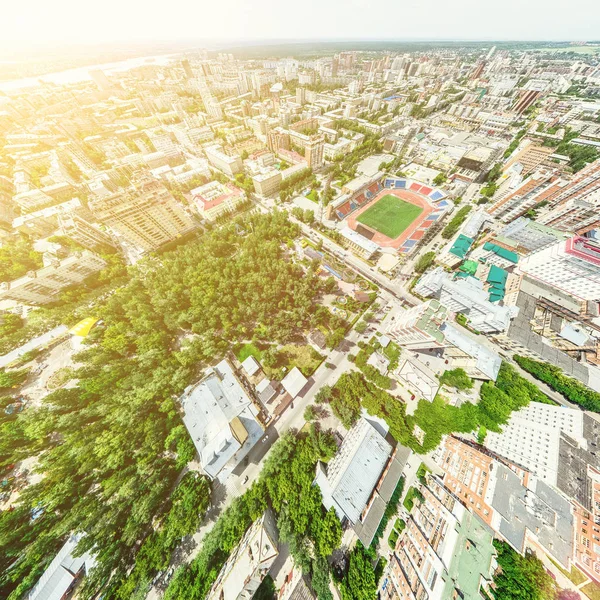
(313, 195)
(306, 358)
(390, 215)
(592, 590)
(412, 494)
(243, 352)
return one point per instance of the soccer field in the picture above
(390, 216)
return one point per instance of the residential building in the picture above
(540, 187)
(59, 272)
(524, 235)
(218, 158)
(521, 509)
(530, 156)
(146, 215)
(571, 266)
(466, 296)
(83, 233)
(361, 478)
(577, 207)
(313, 151)
(531, 438)
(222, 419)
(249, 563)
(267, 183)
(215, 199)
(444, 552)
(63, 573)
(419, 327)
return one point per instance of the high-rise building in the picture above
(419, 326)
(576, 207)
(526, 99)
(571, 266)
(187, 69)
(44, 285)
(444, 552)
(540, 187)
(83, 233)
(249, 563)
(313, 151)
(530, 156)
(523, 510)
(146, 215)
(301, 95)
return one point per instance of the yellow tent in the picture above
(83, 328)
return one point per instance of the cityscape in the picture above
(300, 319)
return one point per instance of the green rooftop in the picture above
(461, 246)
(509, 255)
(497, 279)
(469, 267)
(432, 318)
(472, 559)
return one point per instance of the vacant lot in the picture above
(390, 216)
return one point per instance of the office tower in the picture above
(571, 266)
(146, 215)
(100, 79)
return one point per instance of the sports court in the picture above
(409, 213)
(390, 215)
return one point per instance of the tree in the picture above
(359, 581)
(361, 326)
(310, 414)
(457, 378)
(439, 179)
(424, 262)
(12, 379)
(520, 576)
(329, 534)
(323, 395)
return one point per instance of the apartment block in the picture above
(146, 215)
(44, 285)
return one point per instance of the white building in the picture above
(44, 285)
(222, 420)
(572, 266)
(62, 573)
(230, 165)
(531, 437)
(466, 296)
(419, 326)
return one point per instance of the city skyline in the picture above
(65, 21)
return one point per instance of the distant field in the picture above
(390, 216)
(575, 49)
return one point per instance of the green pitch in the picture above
(390, 216)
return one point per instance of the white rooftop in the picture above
(359, 240)
(61, 572)
(251, 366)
(354, 471)
(488, 361)
(221, 420)
(293, 382)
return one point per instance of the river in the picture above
(82, 73)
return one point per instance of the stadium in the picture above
(392, 212)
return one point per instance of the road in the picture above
(337, 363)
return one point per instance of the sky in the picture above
(27, 23)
